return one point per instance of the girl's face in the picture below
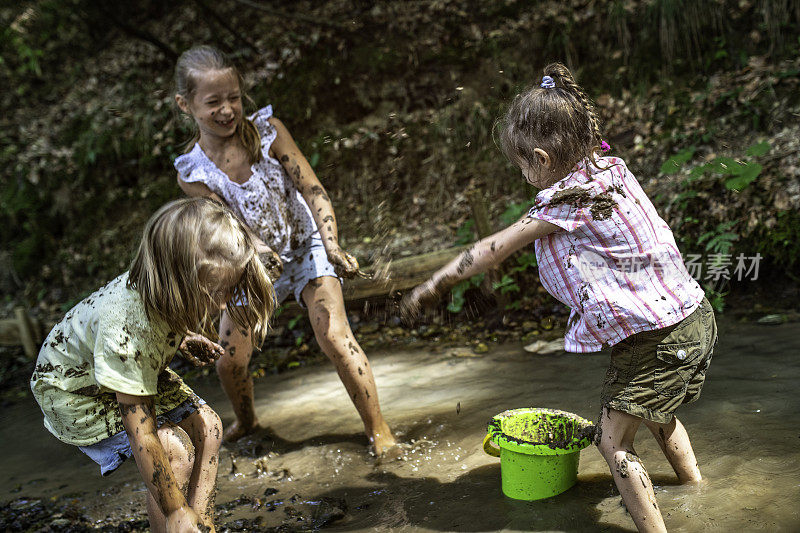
(531, 175)
(540, 175)
(217, 103)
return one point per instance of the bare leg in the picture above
(674, 442)
(205, 431)
(236, 380)
(180, 453)
(615, 442)
(323, 297)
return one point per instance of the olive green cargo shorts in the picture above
(653, 372)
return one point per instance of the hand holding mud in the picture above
(199, 350)
(421, 297)
(270, 259)
(345, 264)
(272, 262)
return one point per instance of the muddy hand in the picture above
(345, 264)
(413, 303)
(272, 262)
(199, 350)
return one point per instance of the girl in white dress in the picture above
(253, 165)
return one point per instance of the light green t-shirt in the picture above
(105, 344)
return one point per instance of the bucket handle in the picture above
(488, 448)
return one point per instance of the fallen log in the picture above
(398, 274)
(23, 331)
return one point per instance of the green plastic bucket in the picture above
(538, 450)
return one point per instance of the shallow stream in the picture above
(744, 431)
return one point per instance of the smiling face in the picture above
(216, 103)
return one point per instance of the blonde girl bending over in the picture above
(102, 379)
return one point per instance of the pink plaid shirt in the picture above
(616, 263)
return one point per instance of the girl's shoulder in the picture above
(194, 166)
(261, 120)
(261, 117)
(584, 182)
(266, 130)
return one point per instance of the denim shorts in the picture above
(110, 453)
(652, 373)
(303, 265)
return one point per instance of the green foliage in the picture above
(673, 164)
(293, 321)
(737, 174)
(510, 282)
(506, 284)
(716, 299)
(713, 241)
(514, 212)
(758, 149)
(97, 107)
(781, 243)
(720, 240)
(457, 298)
(465, 233)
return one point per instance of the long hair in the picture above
(187, 243)
(190, 66)
(559, 120)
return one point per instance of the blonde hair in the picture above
(188, 242)
(559, 120)
(193, 63)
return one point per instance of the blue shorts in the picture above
(303, 265)
(110, 453)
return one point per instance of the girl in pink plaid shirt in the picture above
(603, 250)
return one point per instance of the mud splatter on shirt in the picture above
(104, 345)
(268, 202)
(615, 263)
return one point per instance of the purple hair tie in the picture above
(547, 83)
(604, 146)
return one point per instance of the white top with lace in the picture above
(269, 202)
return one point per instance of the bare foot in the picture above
(382, 440)
(393, 453)
(236, 431)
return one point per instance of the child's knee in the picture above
(233, 361)
(605, 446)
(211, 427)
(333, 330)
(180, 451)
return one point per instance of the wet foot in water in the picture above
(382, 442)
(396, 452)
(236, 431)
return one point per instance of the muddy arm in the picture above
(490, 252)
(138, 417)
(298, 168)
(483, 255)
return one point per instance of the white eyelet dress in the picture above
(270, 204)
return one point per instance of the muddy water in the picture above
(744, 430)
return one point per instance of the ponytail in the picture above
(555, 115)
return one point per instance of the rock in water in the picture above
(327, 510)
(545, 347)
